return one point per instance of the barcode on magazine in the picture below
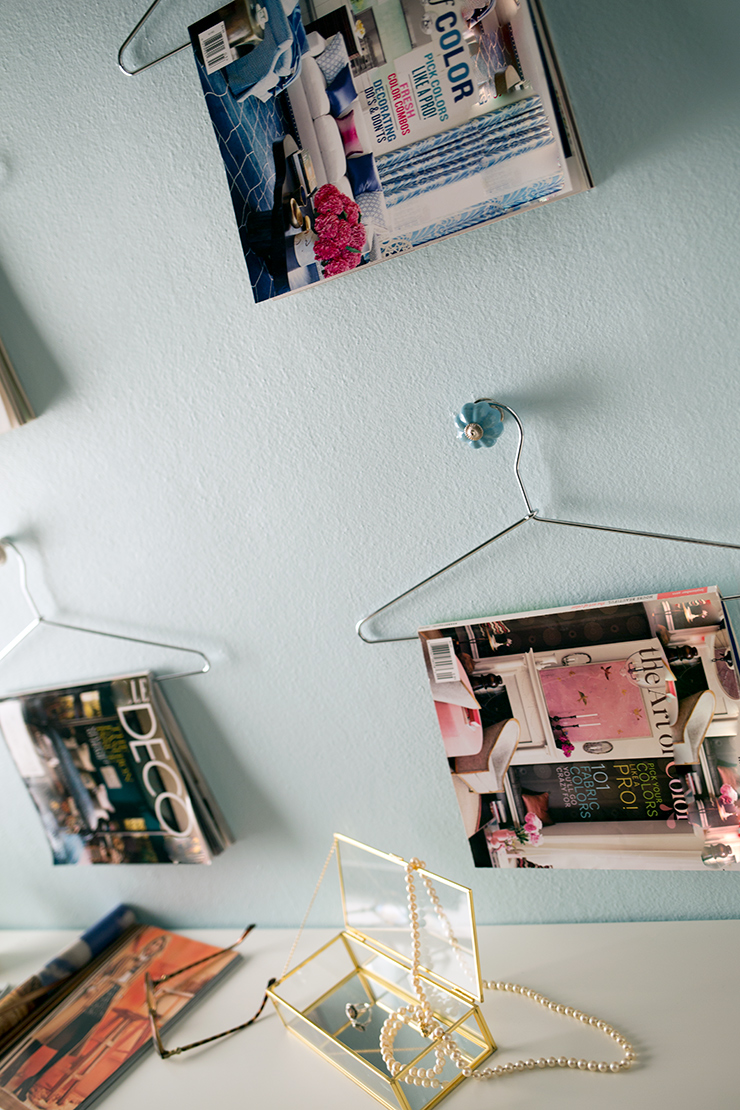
(442, 656)
(215, 46)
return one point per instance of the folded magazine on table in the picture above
(111, 775)
(594, 736)
(75, 1047)
(354, 132)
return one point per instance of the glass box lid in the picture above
(375, 906)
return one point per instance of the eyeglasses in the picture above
(151, 1003)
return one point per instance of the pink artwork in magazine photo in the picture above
(594, 736)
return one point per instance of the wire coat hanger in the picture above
(474, 432)
(130, 39)
(38, 619)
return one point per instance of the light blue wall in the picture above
(253, 479)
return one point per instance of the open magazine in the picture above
(598, 736)
(354, 131)
(110, 774)
(21, 1004)
(76, 1047)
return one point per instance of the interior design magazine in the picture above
(110, 774)
(20, 1005)
(352, 132)
(79, 1046)
(594, 736)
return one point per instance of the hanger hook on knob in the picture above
(480, 424)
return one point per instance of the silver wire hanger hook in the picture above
(133, 72)
(37, 619)
(476, 434)
(478, 425)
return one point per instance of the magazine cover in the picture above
(597, 736)
(107, 775)
(87, 1042)
(352, 132)
(20, 1004)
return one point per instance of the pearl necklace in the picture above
(446, 1048)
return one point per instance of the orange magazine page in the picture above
(86, 1043)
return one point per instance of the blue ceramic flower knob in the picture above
(479, 424)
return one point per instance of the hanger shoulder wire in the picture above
(532, 514)
(133, 72)
(38, 619)
(437, 574)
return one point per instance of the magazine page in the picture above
(74, 1054)
(595, 736)
(101, 770)
(352, 132)
(20, 1005)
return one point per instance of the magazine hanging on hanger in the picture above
(106, 764)
(597, 735)
(594, 736)
(354, 133)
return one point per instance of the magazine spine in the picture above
(208, 813)
(14, 398)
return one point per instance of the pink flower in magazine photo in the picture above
(352, 211)
(326, 225)
(338, 265)
(329, 199)
(338, 227)
(357, 236)
(326, 249)
(341, 233)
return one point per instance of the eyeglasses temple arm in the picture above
(197, 963)
(217, 1036)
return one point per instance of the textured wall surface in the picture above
(253, 479)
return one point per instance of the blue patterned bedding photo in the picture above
(246, 131)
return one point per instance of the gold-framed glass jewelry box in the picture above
(338, 999)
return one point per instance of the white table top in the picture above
(667, 986)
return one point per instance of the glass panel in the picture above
(466, 1037)
(383, 966)
(328, 1024)
(374, 904)
(479, 1030)
(306, 984)
(332, 1014)
(445, 1004)
(419, 1097)
(374, 1081)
